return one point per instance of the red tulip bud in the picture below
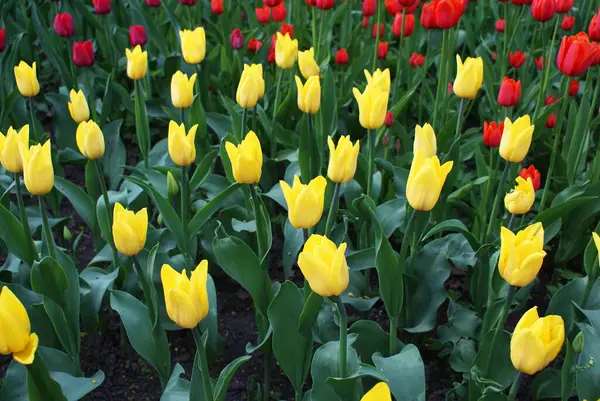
(341, 57)
(393, 6)
(567, 22)
(153, 3)
(287, 28)
(594, 28)
(500, 25)
(188, 2)
(543, 10)
(63, 25)
(510, 92)
(271, 3)
(263, 14)
(365, 22)
(254, 45)
(389, 119)
(408, 26)
(102, 6)
(279, 12)
(398, 145)
(492, 133)
(450, 88)
(573, 88)
(563, 6)
(369, 7)
(551, 121)
(386, 140)
(217, 7)
(2, 39)
(416, 60)
(325, 4)
(381, 30)
(382, 50)
(539, 62)
(236, 39)
(550, 100)
(534, 174)
(516, 59)
(83, 54)
(137, 35)
(428, 16)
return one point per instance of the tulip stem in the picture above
(343, 335)
(425, 70)
(461, 105)
(321, 19)
(92, 95)
(146, 288)
(244, 115)
(514, 389)
(143, 135)
(497, 198)
(24, 219)
(185, 193)
(406, 237)
(501, 320)
(588, 290)
(399, 57)
(201, 349)
(441, 74)
(32, 117)
(107, 209)
(254, 196)
(378, 29)
(393, 340)
(254, 118)
(335, 202)
(511, 221)
(314, 33)
(545, 69)
(273, 138)
(505, 42)
(370, 146)
(46, 227)
(71, 64)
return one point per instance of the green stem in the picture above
(441, 74)
(500, 327)
(311, 134)
(268, 360)
(405, 238)
(244, 115)
(24, 219)
(254, 197)
(514, 389)
(91, 95)
(143, 142)
(511, 221)
(146, 288)
(333, 209)
(253, 119)
(208, 391)
(505, 42)
(425, 70)
(393, 340)
(461, 105)
(370, 146)
(497, 198)
(185, 194)
(399, 58)
(273, 138)
(379, 6)
(71, 63)
(321, 19)
(343, 335)
(107, 209)
(314, 32)
(32, 118)
(488, 188)
(546, 69)
(588, 291)
(46, 227)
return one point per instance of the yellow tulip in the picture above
(380, 79)
(9, 148)
(379, 392)
(182, 90)
(27, 81)
(186, 300)
(536, 341)
(257, 71)
(308, 65)
(309, 94)
(193, 45)
(90, 140)
(372, 106)
(324, 266)
(78, 106)
(137, 63)
(286, 50)
(248, 89)
(596, 238)
(521, 198)
(425, 140)
(38, 172)
(15, 329)
(342, 160)
(182, 147)
(246, 159)
(305, 202)
(521, 255)
(516, 139)
(469, 77)
(425, 181)
(129, 229)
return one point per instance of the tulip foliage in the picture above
(356, 191)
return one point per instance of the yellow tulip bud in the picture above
(193, 45)
(129, 229)
(9, 148)
(521, 255)
(182, 147)
(38, 172)
(324, 266)
(469, 77)
(425, 140)
(182, 90)
(309, 94)
(248, 89)
(372, 106)
(137, 63)
(172, 185)
(380, 79)
(246, 159)
(15, 329)
(308, 65)
(78, 106)
(27, 81)
(305, 202)
(516, 139)
(286, 50)
(90, 140)
(379, 392)
(425, 181)
(596, 238)
(521, 198)
(536, 341)
(342, 160)
(186, 300)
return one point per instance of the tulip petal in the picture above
(182, 310)
(379, 392)
(315, 272)
(527, 352)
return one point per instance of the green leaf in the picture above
(40, 386)
(293, 239)
(391, 215)
(587, 377)
(503, 371)
(371, 339)
(309, 154)
(546, 384)
(204, 214)
(115, 155)
(99, 281)
(204, 169)
(361, 260)
(76, 388)
(346, 386)
(49, 279)
(177, 389)
(567, 375)
(82, 202)
(560, 210)
(405, 372)
(12, 233)
(454, 225)
(563, 300)
(309, 314)
(226, 376)
(104, 217)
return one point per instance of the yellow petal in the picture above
(379, 392)
(27, 354)
(527, 352)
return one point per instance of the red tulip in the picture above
(271, 3)
(409, 9)
(551, 121)
(381, 30)
(188, 2)
(254, 45)
(539, 62)
(492, 133)
(286, 28)
(153, 3)
(594, 28)
(494, 55)
(398, 145)
(236, 39)
(393, 6)
(503, 1)
(500, 25)
(575, 55)
(428, 16)
(325, 4)
(279, 12)
(365, 22)
(534, 174)
(369, 7)
(516, 59)
(271, 55)
(63, 25)
(263, 14)
(2, 39)
(83, 54)
(448, 12)
(311, 3)
(510, 92)
(563, 6)
(408, 27)
(382, 50)
(408, 3)
(550, 100)
(341, 57)
(102, 6)
(389, 119)
(543, 10)
(573, 88)
(416, 60)
(217, 7)
(567, 22)
(137, 35)
(522, 2)
(450, 88)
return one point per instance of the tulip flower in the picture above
(248, 90)
(573, 87)
(409, 6)
(26, 78)
(78, 106)
(425, 141)
(286, 50)
(186, 300)
(341, 57)
(188, 2)
(182, 147)
(500, 25)
(324, 266)
(279, 12)
(428, 16)
(309, 94)
(90, 140)
(382, 50)
(236, 39)
(308, 65)
(551, 100)
(551, 121)
(516, 139)
(271, 3)
(389, 119)
(254, 45)
(325, 4)
(304, 202)
(83, 54)
(102, 6)
(63, 25)
(182, 90)
(510, 92)
(521, 198)
(153, 3)
(263, 14)
(536, 341)
(129, 229)
(379, 392)
(137, 63)
(193, 45)
(521, 255)
(311, 3)
(416, 60)
(2, 39)
(286, 28)
(448, 12)
(543, 10)
(407, 26)
(532, 173)
(393, 7)
(380, 28)
(369, 7)
(492, 133)
(246, 159)
(372, 106)
(593, 29)
(137, 35)
(16, 337)
(38, 172)
(216, 7)
(380, 79)
(342, 159)
(425, 181)
(539, 62)
(10, 157)
(567, 22)
(576, 55)
(516, 59)
(469, 77)
(563, 6)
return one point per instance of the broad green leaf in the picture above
(99, 281)
(13, 235)
(49, 279)
(204, 214)
(405, 372)
(82, 202)
(220, 391)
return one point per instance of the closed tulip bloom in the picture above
(137, 35)
(539, 62)
(324, 266)
(389, 121)
(90, 140)
(425, 140)
(26, 78)
(137, 63)
(38, 172)
(379, 392)
(393, 7)
(576, 55)
(469, 77)
(309, 94)
(492, 133)
(593, 28)
(372, 106)
(416, 60)
(308, 65)
(247, 90)
(182, 147)
(16, 337)
(382, 50)
(256, 70)
(254, 45)
(563, 6)
(536, 341)
(236, 39)
(521, 198)
(286, 50)
(246, 159)
(279, 12)
(448, 12)
(271, 3)
(182, 90)
(216, 7)
(365, 22)
(551, 121)
(186, 299)
(369, 7)
(193, 45)
(78, 106)
(325, 4)
(304, 202)
(102, 6)
(378, 28)
(516, 59)
(379, 79)
(403, 28)
(2, 39)
(425, 181)
(263, 14)
(10, 155)
(543, 10)
(500, 25)
(428, 16)
(287, 28)
(573, 88)
(550, 100)
(567, 22)
(129, 229)
(516, 139)
(188, 2)
(341, 57)
(510, 92)
(83, 54)
(521, 255)
(153, 3)
(532, 173)
(63, 25)
(342, 159)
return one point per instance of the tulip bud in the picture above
(271, 3)
(563, 6)
(573, 87)
(341, 57)
(78, 106)
(159, 219)
(137, 35)
(129, 229)
(248, 88)
(246, 159)
(551, 121)
(567, 22)
(67, 234)
(263, 14)
(286, 28)
(593, 29)
(469, 77)
(425, 181)
(2, 39)
(304, 202)
(521, 255)
(254, 45)
(539, 62)
(309, 94)
(286, 50)
(550, 100)
(217, 7)
(172, 185)
(308, 65)
(182, 90)
(38, 172)
(10, 156)
(83, 54)
(26, 78)
(534, 174)
(343, 159)
(492, 133)
(63, 25)
(365, 22)
(236, 39)
(425, 141)
(372, 106)
(403, 27)
(137, 63)
(500, 25)
(102, 6)
(389, 119)
(382, 50)
(153, 3)
(90, 140)
(398, 145)
(543, 10)
(579, 342)
(193, 45)
(385, 140)
(381, 30)
(379, 392)
(521, 198)
(393, 7)
(450, 87)
(182, 148)
(510, 92)
(15, 329)
(576, 54)
(428, 16)
(279, 12)
(516, 139)
(324, 266)
(325, 4)
(416, 60)
(369, 7)
(188, 2)
(448, 12)
(516, 59)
